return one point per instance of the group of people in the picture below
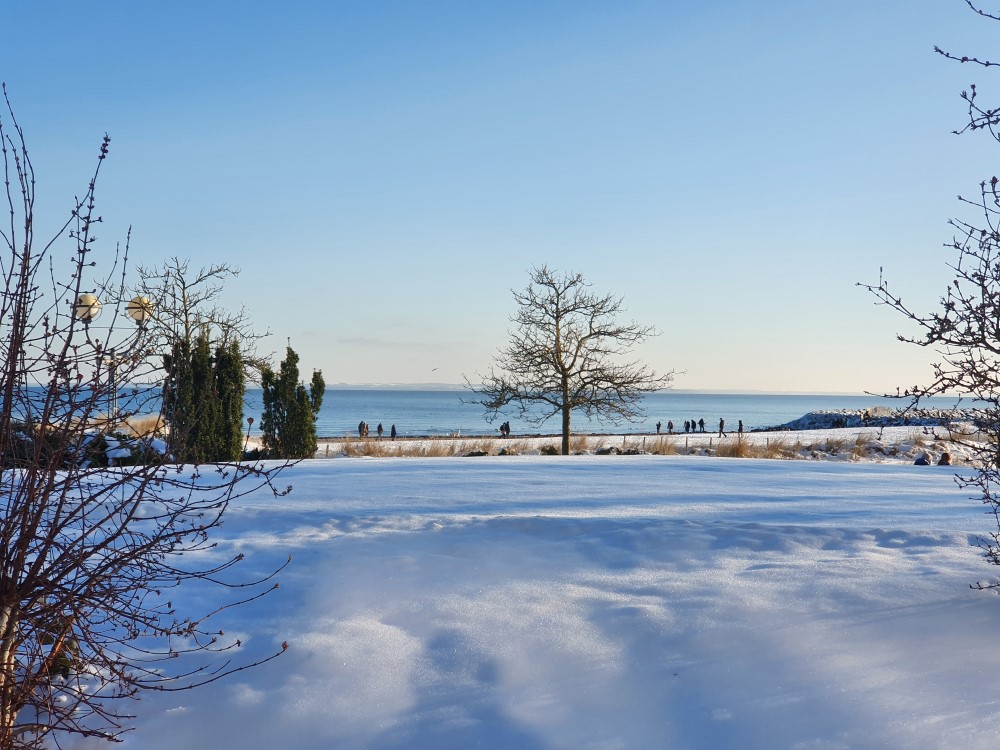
(379, 431)
(691, 426)
(505, 430)
(926, 459)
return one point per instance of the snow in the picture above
(599, 602)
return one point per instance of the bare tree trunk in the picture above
(566, 412)
(8, 679)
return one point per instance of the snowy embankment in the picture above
(899, 444)
(595, 602)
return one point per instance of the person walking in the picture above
(722, 428)
(380, 430)
(658, 424)
(701, 424)
(392, 433)
(670, 427)
(740, 428)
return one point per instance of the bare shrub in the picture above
(963, 333)
(90, 556)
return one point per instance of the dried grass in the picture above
(779, 448)
(835, 445)
(143, 425)
(138, 425)
(860, 447)
(738, 448)
(422, 448)
(663, 446)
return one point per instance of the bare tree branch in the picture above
(96, 522)
(187, 301)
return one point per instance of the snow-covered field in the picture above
(546, 603)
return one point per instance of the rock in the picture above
(880, 416)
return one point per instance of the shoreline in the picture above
(895, 444)
(875, 418)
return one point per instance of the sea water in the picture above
(452, 412)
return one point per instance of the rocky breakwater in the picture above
(881, 416)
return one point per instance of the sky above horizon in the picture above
(385, 173)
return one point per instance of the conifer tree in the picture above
(230, 386)
(203, 400)
(288, 423)
(202, 439)
(316, 390)
(178, 398)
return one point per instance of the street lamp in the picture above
(139, 309)
(87, 307)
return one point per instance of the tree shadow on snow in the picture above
(458, 707)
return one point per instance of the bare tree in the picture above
(95, 523)
(188, 302)
(965, 331)
(198, 339)
(566, 354)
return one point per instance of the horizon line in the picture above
(727, 391)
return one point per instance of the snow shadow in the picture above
(459, 706)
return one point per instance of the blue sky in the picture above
(385, 173)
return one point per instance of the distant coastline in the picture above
(706, 391)
(395, 387)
